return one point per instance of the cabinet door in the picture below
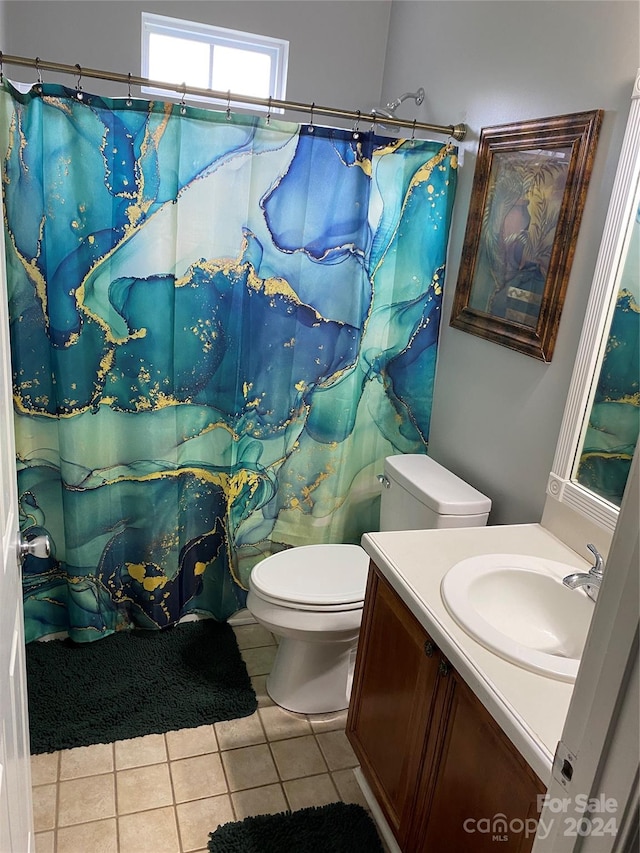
(478, 794)
(392, 701)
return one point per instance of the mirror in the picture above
(611, 429)
(600, 425)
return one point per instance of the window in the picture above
(175, 51)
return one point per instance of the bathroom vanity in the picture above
(455, 743)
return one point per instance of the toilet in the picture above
(311, 596)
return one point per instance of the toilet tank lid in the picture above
(435, 486)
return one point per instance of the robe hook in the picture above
(311, 127)
(356, 127)
(229, 105)
(78, 86)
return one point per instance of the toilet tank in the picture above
(418, 493)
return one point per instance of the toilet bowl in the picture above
(311, 597)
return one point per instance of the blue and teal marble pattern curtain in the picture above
(219, 329)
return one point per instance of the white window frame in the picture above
(276, 49)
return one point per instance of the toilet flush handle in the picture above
(384, 481)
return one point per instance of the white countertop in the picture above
(530, 708)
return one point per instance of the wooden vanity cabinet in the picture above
(440, 767)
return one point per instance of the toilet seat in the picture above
(313, 577)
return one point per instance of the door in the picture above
(16, 822)
(600, 741)
(392, 701)
(479, 792)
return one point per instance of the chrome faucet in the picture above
(590, 580)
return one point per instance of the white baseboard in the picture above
(376, 812)
(242, 617)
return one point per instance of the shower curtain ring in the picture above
(1, 68)
(38, 86)
(269, 111)
(413, 133)
(374, 119)
(183, 106)
(129, 101)
(229, 105)
(311, 128)
(356, 127)
(78, 86)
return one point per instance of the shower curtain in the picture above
(219, 329)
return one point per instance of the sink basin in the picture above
(517, 607)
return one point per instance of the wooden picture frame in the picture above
(528, 194)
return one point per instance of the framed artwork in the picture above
(527, 199)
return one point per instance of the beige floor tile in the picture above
(259, 660)
(297, 757)
(311, 791)
(198, 777)
(100, 836)
(249, 767)
(337, 750)
(140, 751)
(86, 761)
(153, 831)
(251, 636)
(145, 784)
(259, 684)
(83, 800)
(143, 788)
(45, 842)
(348, 787)
(44, 807)
(245, 731)
(200, 817)
(328, 722)
(44, 768)
(269, 799)
(280, 724)
(187, 742)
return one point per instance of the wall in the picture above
(497, 413)
(336, 49)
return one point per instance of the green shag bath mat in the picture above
(336, 828)
(135, 683)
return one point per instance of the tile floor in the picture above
(166, 793)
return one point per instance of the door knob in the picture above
(39, 546)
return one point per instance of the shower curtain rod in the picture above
(456, 131)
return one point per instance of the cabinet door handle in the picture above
(444, 667)
(429, 649)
